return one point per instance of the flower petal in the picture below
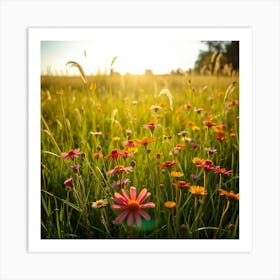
(122, 216)
(138, 219)
(120, 198)
(148, 205)
(144, 214)
(130, 219)
(118, 207)
(132, 193)
(142, 195)
(125, 194)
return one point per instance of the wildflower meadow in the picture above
(139, 156)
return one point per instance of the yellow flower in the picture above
(92, 86)
(232, 134)
(116, 138)
(60, 92)
(176, 174)
(132, 150)
(170, 204)
(198, 190)
(197, 159)
(195, 128)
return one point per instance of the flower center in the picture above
(99, 203)
(133, 205)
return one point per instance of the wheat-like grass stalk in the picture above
(113, 61)
(80, 68)
(169, 95)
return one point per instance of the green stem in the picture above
(222, 218)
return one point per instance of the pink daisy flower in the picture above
(71, 154)
(119, 169)
(132, 206)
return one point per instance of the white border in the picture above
(243, 244)
(262, 16)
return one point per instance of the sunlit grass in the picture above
(176, 136)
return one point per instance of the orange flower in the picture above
(181, 184)
(119, 169)
(145, 141)
(92, 86)
(179, 147)
(229, 194)
(97, 155)
(170, 204)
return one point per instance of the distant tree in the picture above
(220, 57)
(232, 51)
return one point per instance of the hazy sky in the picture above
(161, 55)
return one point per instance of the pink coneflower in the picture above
(132, 206)
(75, 167)
(194, 145)
(120, 183)
(151, 126)
(210, 150)
(119, 169)
(72, 154)
(194, 177)
(129, 143)
(68, 184)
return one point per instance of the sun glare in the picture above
(133, 56)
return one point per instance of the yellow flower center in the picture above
(133, 205)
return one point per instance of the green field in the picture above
(173, 139)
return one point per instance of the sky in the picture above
(134, 55)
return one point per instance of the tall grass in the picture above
(133, 108)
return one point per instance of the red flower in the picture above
(220, 170)
(117, 153)
(168, 163)
(209, 123)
